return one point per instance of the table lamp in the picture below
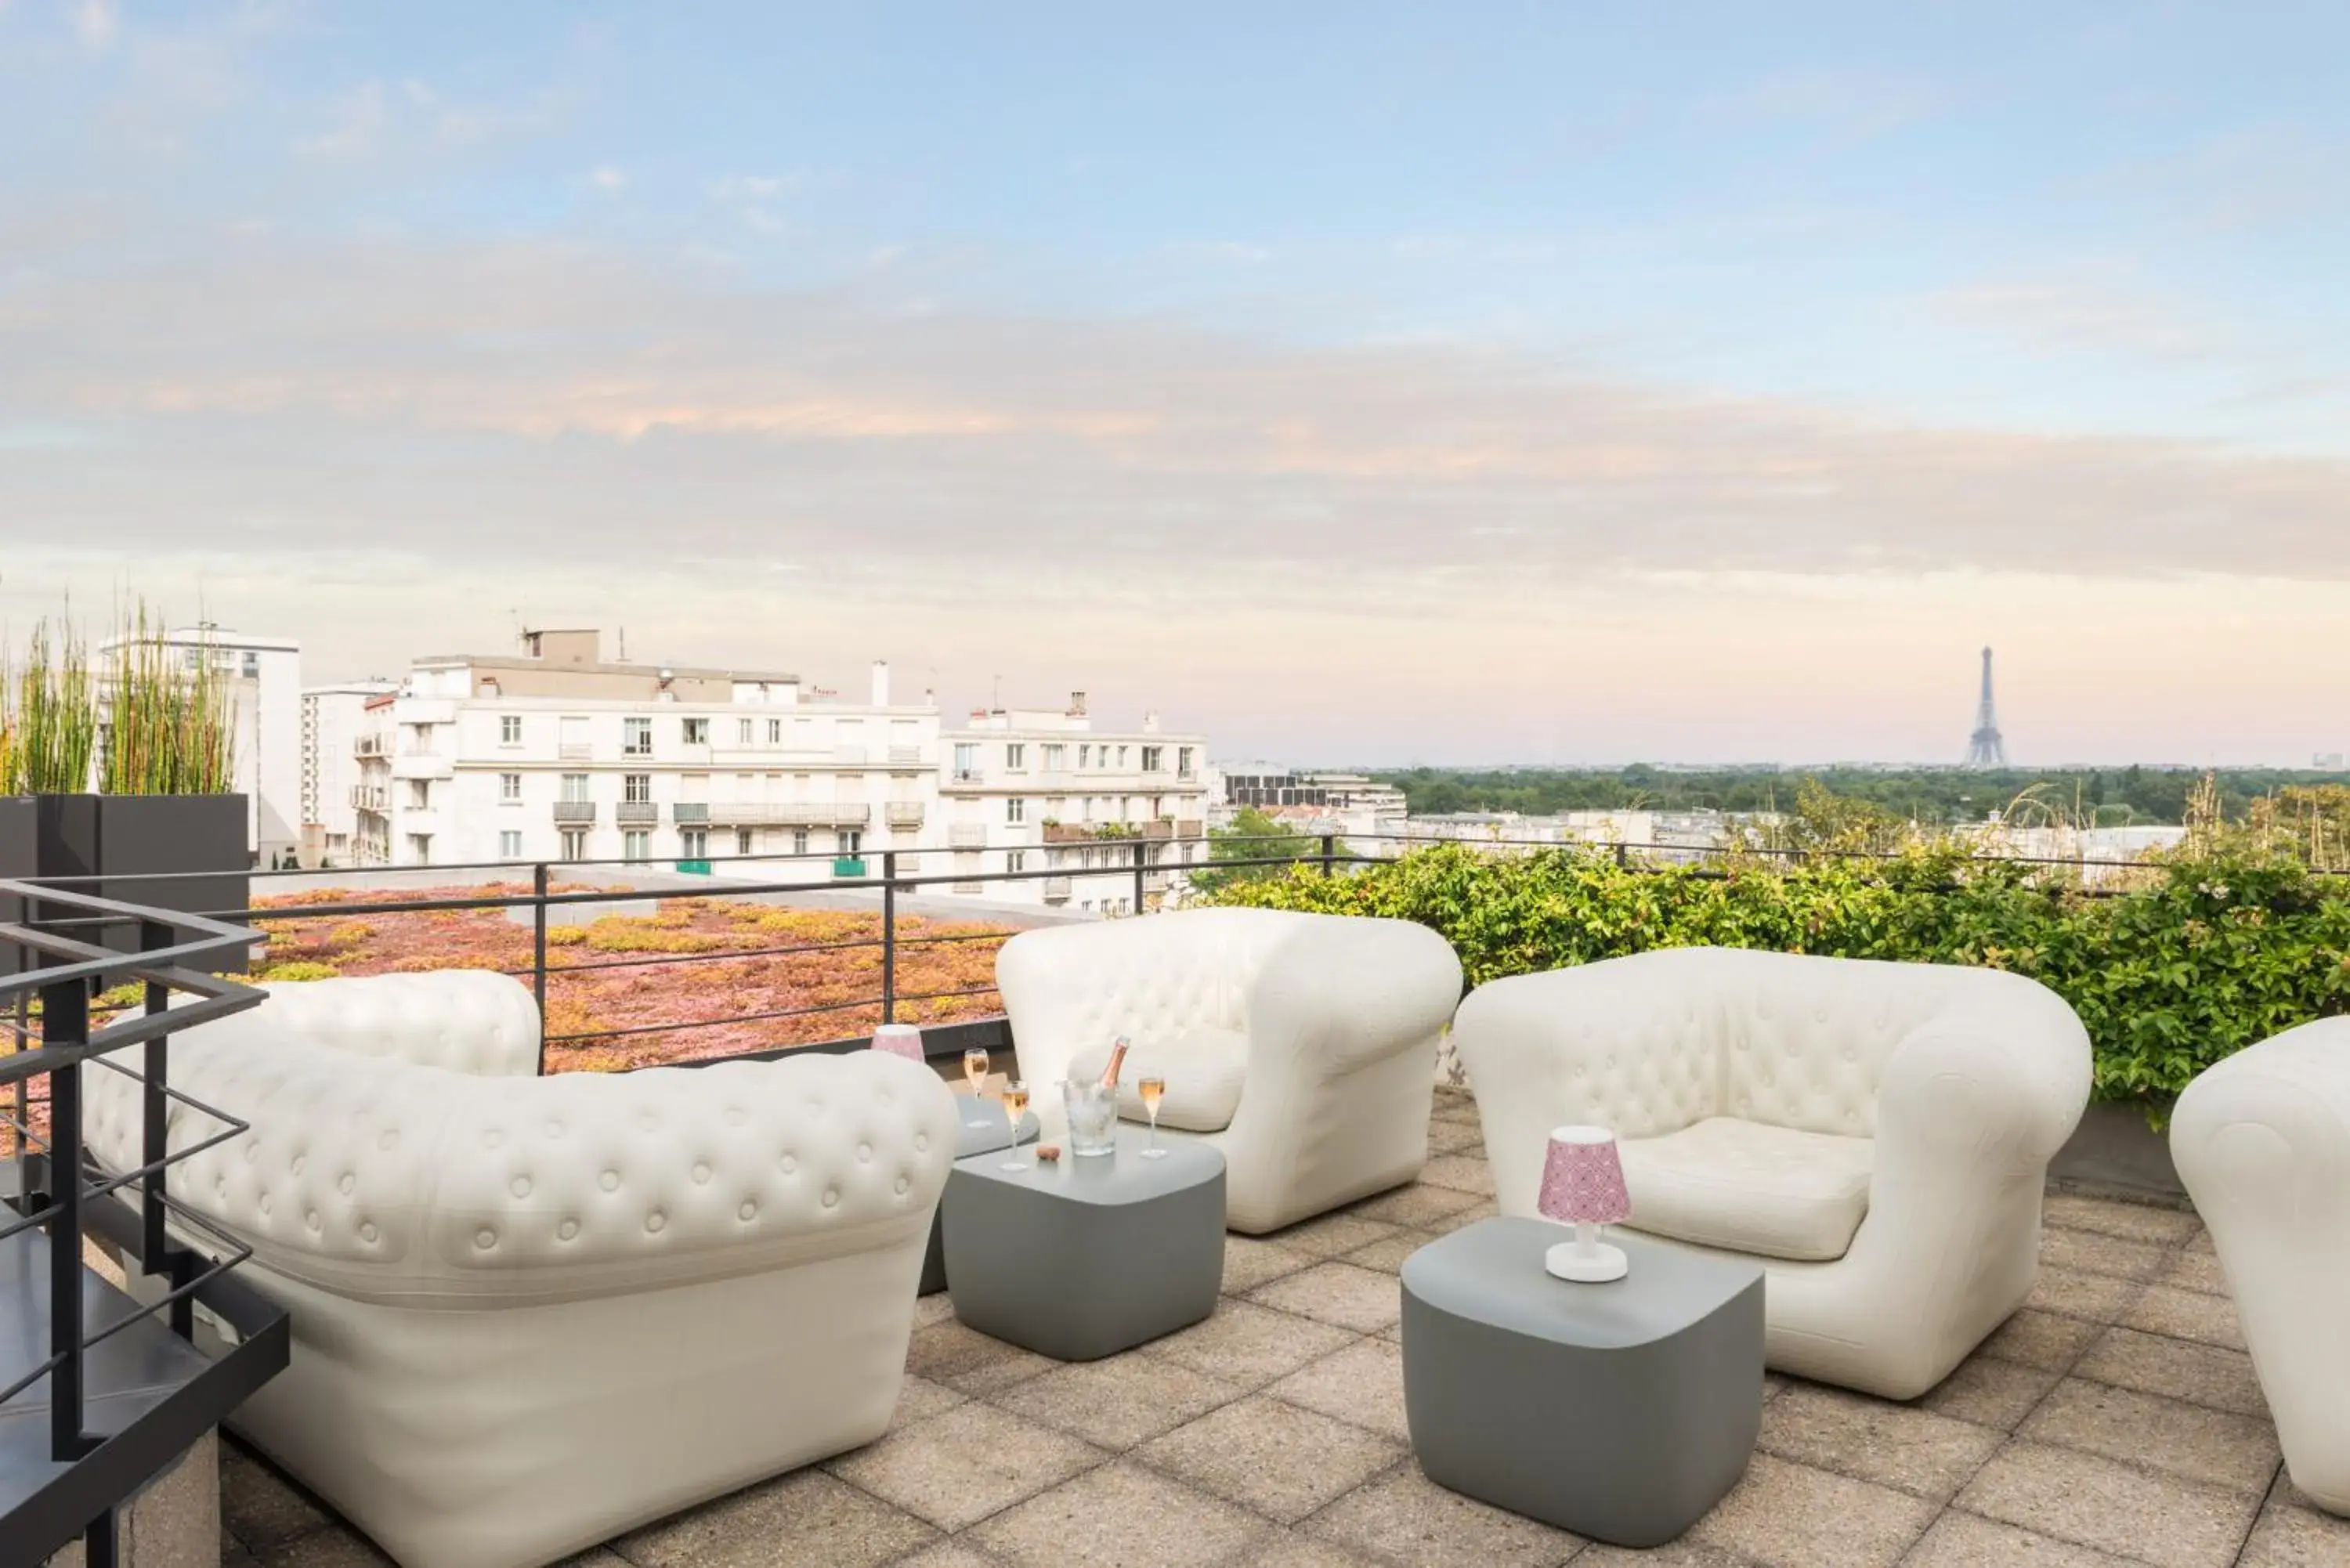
(1583, 1185)
(900, 1040)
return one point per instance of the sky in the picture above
(1356, 383)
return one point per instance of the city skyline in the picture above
(1362, 386)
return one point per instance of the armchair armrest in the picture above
(474, 1022)
(1351, 992)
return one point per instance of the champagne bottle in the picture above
(1116, 1062)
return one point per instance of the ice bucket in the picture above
(1093, 1116)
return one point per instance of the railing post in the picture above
(155, 1124)
(1141, 853)
(65, 1020)
(1329, 852)
(539, 955)
(888, 936)
(1623, 853)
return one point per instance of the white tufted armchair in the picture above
(1302, 1047)
(2263, 1142)
(1876, 1135)
(531, 1312)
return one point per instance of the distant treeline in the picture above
(2108, 797)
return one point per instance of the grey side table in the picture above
(1080, 1258)
(1620, 1411)
(993, 1134)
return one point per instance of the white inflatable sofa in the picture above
(531, 1312)
(1302, 1046)
(1876, 1135)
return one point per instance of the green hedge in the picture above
(2204, 957)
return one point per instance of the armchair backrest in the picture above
(1804, 1039)
(474, 1022)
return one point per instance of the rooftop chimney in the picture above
(880, 683)
(1077, 704)
(1150, 723)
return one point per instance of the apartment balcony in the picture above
(851, 756)
(371, 746)
(691, 813)
(370, 797)
(905, 756)
(964, 779)
(1056, 889)
(636, 813)
(967, 836)
(904, 813)
(1191, 829)
(422, 765)
(788, 813)
(575, 751)
(575, 813)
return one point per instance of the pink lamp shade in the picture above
(900, 1040)
(1583, 1185)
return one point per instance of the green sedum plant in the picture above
(2199, 958)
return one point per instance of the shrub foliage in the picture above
(2198, 959)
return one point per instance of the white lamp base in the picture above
(1595, 1265)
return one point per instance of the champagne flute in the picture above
(1153, 1091)
(1015, 1102)
(974, 1067)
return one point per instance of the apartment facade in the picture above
(1043, 795)
(332, 717)
(261, 677)
(557, 754)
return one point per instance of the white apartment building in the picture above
(1041, 791)
(261, 677)
(332, 719)
(556, 754)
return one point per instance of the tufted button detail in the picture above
(831, 1197)
(921, 1143)
(788, 1165)
(390, 1140)
(701, 1173)
(553, 1128)
(902, 1185)
(485, 1237)
(493, 1139)
(648, 1122)
(368, 1231)
(311, 1221)
(519, 1186)
(736, 1115)
(864, 1153)
(655, 1222)
(345, 1182)
(299, 1161)
(748, 1211)
(252, 1151)
(610, 1182)
(567, 1230)
(264, 1203)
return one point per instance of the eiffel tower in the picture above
(1984, 748)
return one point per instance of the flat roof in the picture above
(601, 667)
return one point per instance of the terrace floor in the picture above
(2116, 1419)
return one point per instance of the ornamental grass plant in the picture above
(139, 722)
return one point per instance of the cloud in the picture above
(2102, 314)
(377, 118)
(608, 178)
(96, 23)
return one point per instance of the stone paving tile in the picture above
(1460, 1217)
(1361, 1385)
(1461, 1173)
(594, 1557)
(969, 1362)
(2175, 1369)
(2193, 1270)
(2092, 1251)
(1363, 1300)
(1403, 1518)
(259, 1506)
(2131, 1221)
(1454, 1138)
(1388, 1256)
(1458, 1108)
(1991, 1393)
(918, 1399)
(1968, 1541)
(1332, 1234)
(2100, 1298)
(1415, 1206)
(1287, 1549)
(2289, 1536)
(952, 1552)
(1250, 1263)
(1792, 1516)
(805, 1520)
(956, 1469)
(1912, 1451)
(2187, 1315)
(1120, 1516)
(2117, 1507)
(1273, 1457)
(936, 1307)
(2190, 1440)
(1248, 1345)
(340, 1547)
(2038, 1338)
(1682, 1553)
(1116, 1403)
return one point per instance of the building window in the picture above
(510, 846)
(693, 843)
(636, 737)
(1121, 756)
(966, 761)
(1084, 756)
(1057, 757)
(697, 732)
(252, 665)
(509, 728)
(852, 843)
(741, 731)
(1015, 758)
(799, 841)
(1154, 759)
(742, 841)
(575, 844)
(1182, 762)
(774, 732)
(636, 788)
(1015, 860)
(574, 787)
(1016, 809)
(419, 794)
(510, 787)
(636, 844)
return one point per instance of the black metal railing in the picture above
(73, 1486)
(1135, 875)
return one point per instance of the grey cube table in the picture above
(1620, 1411)
(993, 1133)
(1083, 1258)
